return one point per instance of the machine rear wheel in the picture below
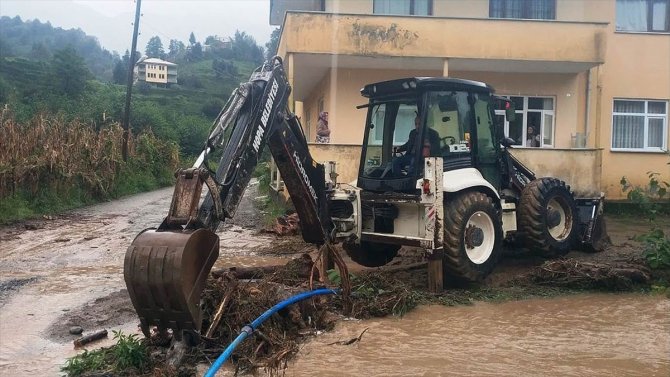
(546, 217)
(370, 254)
(472, 238)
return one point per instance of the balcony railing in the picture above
(464, 38)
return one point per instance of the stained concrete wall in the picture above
(579, 168)
(348, 158)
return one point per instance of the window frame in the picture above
(650, 19)
(411, 9)
(647, 115)
(524, 116)
(524, 9)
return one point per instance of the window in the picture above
(404, 123)
(639, 125)
(643, 15)
(403, 7)
(529, 9)
(534, 123)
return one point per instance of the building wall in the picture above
(152, 68)
(578, 167)
(638, 67)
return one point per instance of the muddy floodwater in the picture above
(68, 271)
(581, 335)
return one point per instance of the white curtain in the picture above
(655, 133)
(421, 7)
(631, 15)
(659, 11)
(628, 129)
(391, 7)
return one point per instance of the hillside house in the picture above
(591, 77)
(156, 71)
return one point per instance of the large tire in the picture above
(370, 254)
(472, 238)
(547, 217)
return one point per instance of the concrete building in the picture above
(156, 71)
(591, 77)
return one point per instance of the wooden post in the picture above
(129, 82)
(434, 228)
(435, 276)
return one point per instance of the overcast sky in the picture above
(111, 20)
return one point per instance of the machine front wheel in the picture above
(547, 217)
(472, 238)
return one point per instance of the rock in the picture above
(63, 239)
(76, 330)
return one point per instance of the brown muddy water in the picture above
(59, 271)
(579, 335)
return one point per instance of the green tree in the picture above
(195, 52)
(175, 49)
(191, 39)
(120, 72)
(155, 48)
(245, 48)
(273, 44)
(68, 72)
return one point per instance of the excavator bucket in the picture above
(593, 231)
(165, 272)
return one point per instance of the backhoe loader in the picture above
(457, 195)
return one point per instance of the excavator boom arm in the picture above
(166, 269)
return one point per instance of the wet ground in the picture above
(68, 271)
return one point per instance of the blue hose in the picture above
(250, 328)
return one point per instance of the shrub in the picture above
(649, 199)
(656, 248)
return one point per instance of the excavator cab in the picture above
(411, 119)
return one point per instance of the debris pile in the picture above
(230, 303)
(572, 273)
(286, 225)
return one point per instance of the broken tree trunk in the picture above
(90, 338)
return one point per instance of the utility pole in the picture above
(129, 88)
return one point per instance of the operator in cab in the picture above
(431, 145)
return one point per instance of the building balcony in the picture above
(318, 41)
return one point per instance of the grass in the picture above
(128, 355)
(628, 209)
(23, 205)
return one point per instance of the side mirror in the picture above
(507, 142)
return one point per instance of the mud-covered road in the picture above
(67, 271)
